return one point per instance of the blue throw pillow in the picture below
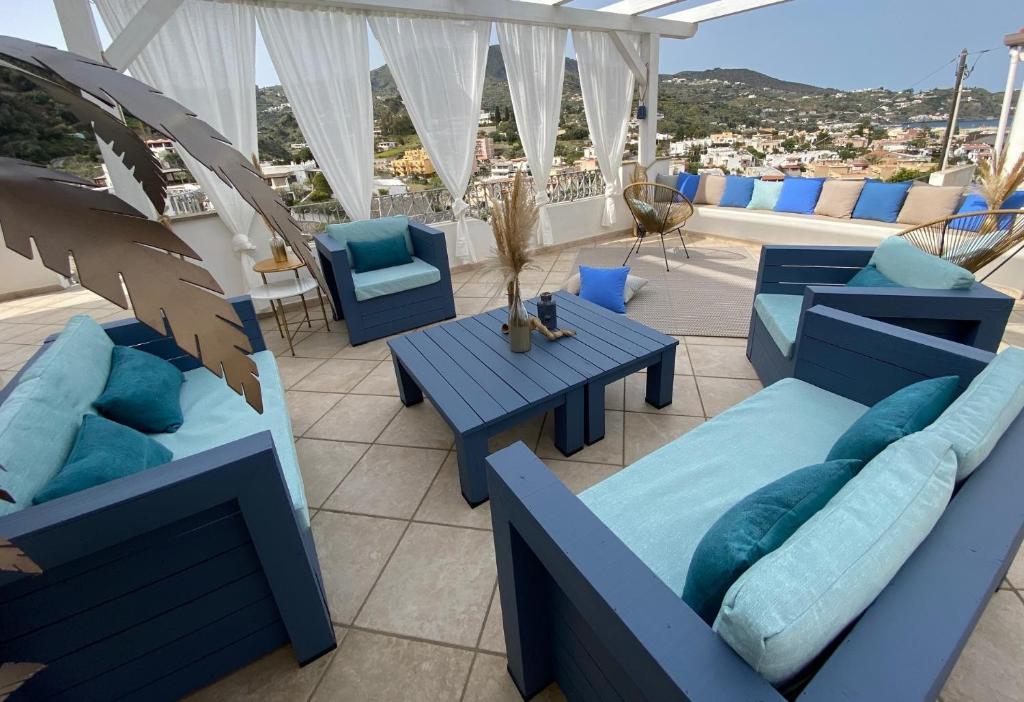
(766, 195)
(374, 254)
(103, 451)
(869, 277)
(904, 412)
(604, 287)
(754, 527)
(881, 201)
(738, 191)
(799, 195)
(976, 203)
(687, 185)
(142, 392)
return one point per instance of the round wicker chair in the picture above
(972, 240)
(657, 209)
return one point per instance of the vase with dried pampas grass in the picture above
(513, 220)
(997, 181)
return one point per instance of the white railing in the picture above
(187, 202)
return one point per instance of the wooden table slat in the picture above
(489, 379)
(619, 338)
(569, 352)
(562, 296)
(446, 399)
(591, 341)
(555, 376)
(467, 388)
(533, 383)
(612, 326)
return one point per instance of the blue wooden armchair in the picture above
(792, 279)
(380, 303)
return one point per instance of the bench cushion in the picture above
(784, 611)
(387, 281)
(216, 415)
(662, 505)
(780, 315)
(39, 420)
(371, 230)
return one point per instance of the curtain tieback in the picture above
(540, 197)
(241, 244)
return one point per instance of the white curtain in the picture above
(607, 86)
(205, 58)
(535, 62)
(322, 59)
(438, 65)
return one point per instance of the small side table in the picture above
(275, 293)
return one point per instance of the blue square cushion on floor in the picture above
(738, 191)
(604, 286)
(799, 195)
(881, 201)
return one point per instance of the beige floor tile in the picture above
(462, 277)
(528, 432)
(480, 289)
(308, 407)
(15, 356)
(470, 305)
(389, 481)
(352, 550)
(324, 464)
(321, 344)
(715, 341)
(646, 433)
(564, 265)
(6, 377)
(276, 677)
(336, 375)
(1016, 572)
(685, 398)
(721, 361)
(556, 280)
(608, 450)
(33, 334)
(419, 425)
(490, 682)
(278, 345)
(615, 395)
(380, 381)
(377, 668)
(292, 369)
(578, 475)
(990, 666)
(683, 365)
(444, 503)
(356, 418)
(719, 394)
(376, 350)
(437, 585)
(487, 275)
(493, 636)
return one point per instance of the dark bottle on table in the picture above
(546, 311)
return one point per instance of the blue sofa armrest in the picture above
(337, 272)
(867, 360)
(429, 244)
(788, 269)
(607, 627)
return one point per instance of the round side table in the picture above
(277, 292)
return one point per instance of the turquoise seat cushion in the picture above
(380, 253)
(906, 411)
(869, 277)
(142, 392)
(662, 505)
(754, 527)
(39, 420)
(786, 609)
(216, 415)
(104, 450)
(388, 281)
(371, 230)
(780, 315)
(976, 420)
(905, 264)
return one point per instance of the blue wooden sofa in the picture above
(796, 278)
(581, 608)
(379, 303)
(161, 582)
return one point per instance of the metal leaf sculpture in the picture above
(112, 242)
(171, 119)
(14, 675)
(13, 559)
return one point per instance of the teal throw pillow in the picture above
(904, 412)
(372, 255)
(604, 286)
(103, 451)
(755, 526)
(143, 392)
(870, 277)
(766, 195)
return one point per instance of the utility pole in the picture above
(961, 69)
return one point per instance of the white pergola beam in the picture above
(139, 31)
(636, 7)
(631, 56)
(549, 2)
(515, 12)
(718, 9)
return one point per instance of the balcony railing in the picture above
(186, 203)
(435, 205)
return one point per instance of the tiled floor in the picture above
(408, 567)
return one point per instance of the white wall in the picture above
(20, 276)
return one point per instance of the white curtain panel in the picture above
(438, 65)
(323, 61)
(205, 58)
(607, 86)
(535, 62)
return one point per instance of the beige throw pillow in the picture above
(710, 190)
(927, 203)
(838, 198)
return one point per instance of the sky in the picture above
(829, 43)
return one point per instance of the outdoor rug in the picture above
(709, 294)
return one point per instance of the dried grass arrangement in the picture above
(514, 219)
(997, 181)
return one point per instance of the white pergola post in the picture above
(1016, 57)
(647, 151)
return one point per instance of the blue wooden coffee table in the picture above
(481, 388)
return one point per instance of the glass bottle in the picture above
(518, 323)
(278, 249)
